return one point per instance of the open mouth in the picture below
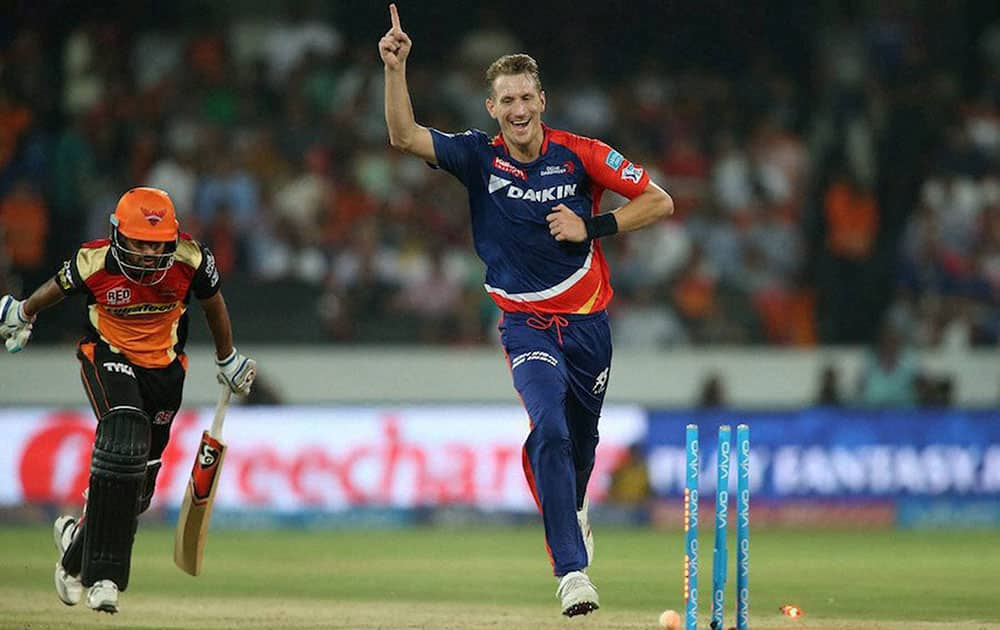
(521, 125)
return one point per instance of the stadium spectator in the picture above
(432, 300)
(24, 226)
(890, 375)
(642, 322)
(851, 224)
(828, 394)
(630, 485)
(712, 394)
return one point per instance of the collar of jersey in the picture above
(498, 141)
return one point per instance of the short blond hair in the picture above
(519, 63)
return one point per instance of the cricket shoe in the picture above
(577, 594)
(103, 597)
(68, 587)
(583, 518)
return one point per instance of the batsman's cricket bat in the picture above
(192, 523)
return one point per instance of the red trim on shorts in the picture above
(87, 350)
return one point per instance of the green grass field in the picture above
(469, 578)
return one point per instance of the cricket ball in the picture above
(670, 620)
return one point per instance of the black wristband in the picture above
(601, 225)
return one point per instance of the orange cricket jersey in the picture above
(147, 324)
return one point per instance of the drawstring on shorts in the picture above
(544, 322)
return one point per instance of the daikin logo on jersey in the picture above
(552, 193)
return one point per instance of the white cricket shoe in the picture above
(583, 519)
(68, 587)
(103, 597)
(577, 594)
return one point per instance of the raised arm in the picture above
(404, 132)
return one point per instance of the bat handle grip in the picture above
(220, 411)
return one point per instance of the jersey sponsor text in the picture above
(552, 193)
(142, 309)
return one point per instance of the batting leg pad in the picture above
(117, 479)
(149, 485)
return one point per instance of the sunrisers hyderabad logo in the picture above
(153, 215)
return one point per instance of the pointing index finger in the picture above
(394, 14)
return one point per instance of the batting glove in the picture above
(15, 327)
(237, 372)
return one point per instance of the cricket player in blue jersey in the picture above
(534, 197)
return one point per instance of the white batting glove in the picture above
(237, 372)
(15, 328)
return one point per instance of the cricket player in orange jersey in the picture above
(138, 284)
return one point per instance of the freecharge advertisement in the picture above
(288, 459)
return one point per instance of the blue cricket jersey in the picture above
(527, 269)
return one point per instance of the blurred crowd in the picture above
(824, 205)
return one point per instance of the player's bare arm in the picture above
(404, 132)
(217, 316)
(235, 370)
(49, 294)
(650, 206)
